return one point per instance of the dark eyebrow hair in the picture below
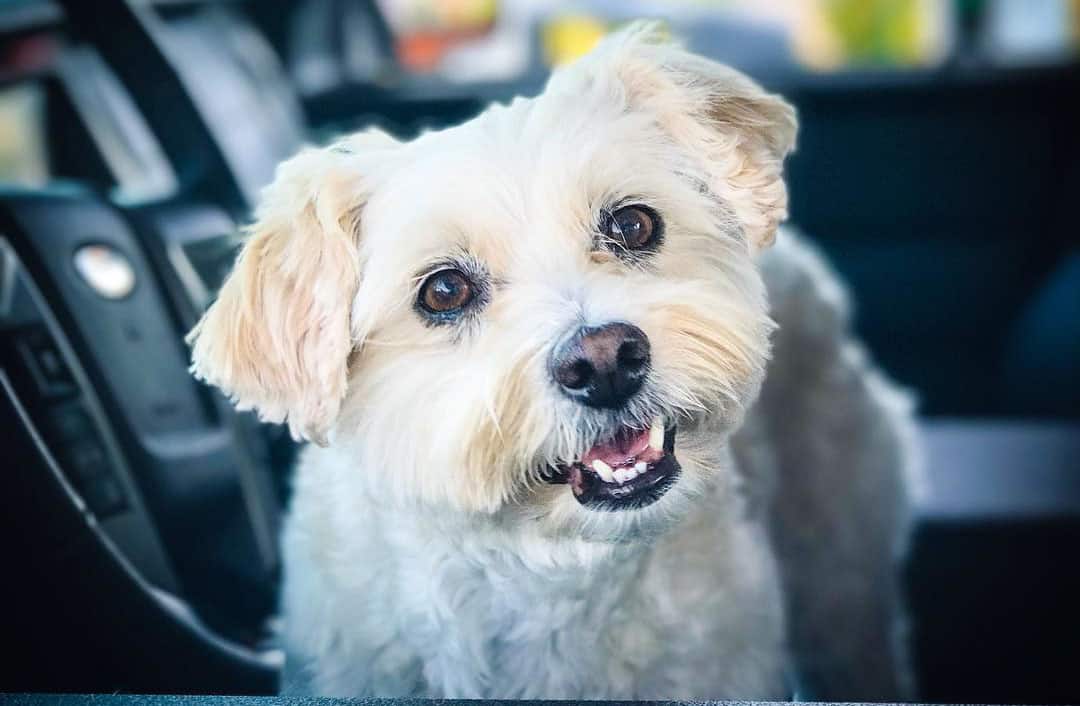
(722, 207)
(700, 185)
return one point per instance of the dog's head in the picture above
(551, 311)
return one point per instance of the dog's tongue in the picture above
(628, 446)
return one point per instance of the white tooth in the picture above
(631, 473)
(620, 475)
(603, 470)
(640, 467)
(656, 435)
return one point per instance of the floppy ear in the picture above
(277, 339)
(740, 132)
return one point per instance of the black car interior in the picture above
(138, 530)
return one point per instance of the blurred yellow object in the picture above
(467, 14)
(884, 32)
(1076, 23)
(432, 16)
(568, 37)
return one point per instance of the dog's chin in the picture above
(630, 469)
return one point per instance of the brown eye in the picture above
(445, 292)
(636, 227)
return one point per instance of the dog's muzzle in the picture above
(632, 469)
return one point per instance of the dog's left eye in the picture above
(445, 292)
(633, 227)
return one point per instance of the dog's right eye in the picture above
(445, 292)
(632, 228)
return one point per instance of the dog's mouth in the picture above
(631, 469)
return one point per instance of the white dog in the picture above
(529, 350)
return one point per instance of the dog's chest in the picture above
(378, 607)
(494, 628)
(678, 621)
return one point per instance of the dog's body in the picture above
(530, 348)
(390, 601)
(444, 606)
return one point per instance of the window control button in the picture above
(68, 423)
(46, 364)
(103, 495)
(85, 459)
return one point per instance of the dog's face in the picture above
(551, 312)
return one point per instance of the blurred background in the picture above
(938, 166)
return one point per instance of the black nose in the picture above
(602, 366)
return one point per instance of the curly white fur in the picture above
(424, 554)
